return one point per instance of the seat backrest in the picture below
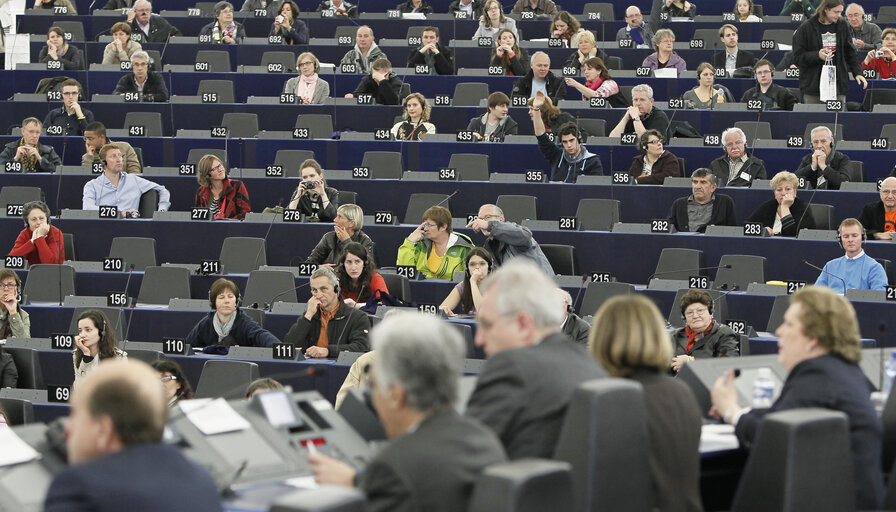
(468, 94)
(49, 283)
(419, 202)
(218, 62)
(776, 316)
(68, 242)
(223, 88)
(886, 14)
(241, 255)
(265, 285)
(241, 125)
(678, 263)
(613, 62)
(888, 268)
(604, 9)
(346, 31)
(856, 171)
(161, 284)
(524, 485)
(348, 197)
(598, 214)
(604, 439)
(710, 36)
(18, 411)
(226, 379)
(137, 251)
(18, 195)
(27, 363)
(597, 293)
(150, 121)
(471, 166)
(320, 126)
(823, 215)
(286, 59)
(291, 160)
(719, 309)
(783, 36)
(398, 285)
(117, 320)
(593, 127)
(755, 129)
(155, 57)
(75, 28)
(516, 208)
(196, 154)
(796, 456)
(384, 164)
(744, 269)
(561, 257)
(878, 97)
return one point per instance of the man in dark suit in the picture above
(703, 207)
(879, 218)
(118, 461)
(435, 455)
(149, 28)
(731, 58)
(532, 369)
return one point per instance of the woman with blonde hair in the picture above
(308, 87)
(416, 119)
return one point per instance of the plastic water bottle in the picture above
(891, 372)
(764, 389)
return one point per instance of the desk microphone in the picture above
(579, 293)
(270, 304)
(685, 270)
(128, 304)
(443, 201)
(828, 273)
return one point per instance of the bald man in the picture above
(879, 217)
(118, 461)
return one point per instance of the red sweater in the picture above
(46, 249)
(886, 68)
(234, 202)
(376, 283)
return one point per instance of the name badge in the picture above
(821, 181)
(745, 176)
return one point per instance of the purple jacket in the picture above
(675, 61)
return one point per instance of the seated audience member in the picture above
(270, 6)
(224, 30)
(664, 56)
(641, 116)
(509, 55)
(309, 87)
(365, 53)
(703, 207)
(313, 197)
(122, 46)
(346, 228)
(540, 79)
(224, 197)
(96, 342)
(149, 85)
(39, 242)
(879, 218)
(329, 324)
(732, 58)
(574, 159)
(433, 248)
(825, 167)
(439, 58)
(122, 190)
(586, 51)
(819, 347)
(117, 458)
(495, 124)
(507, 240)
(226, 324)
(416, 119)
(493, 21)
(865, 35)
(884, 60)
(70, 116)
(743, 11)
(472, 9)
(358, 278)
(412, 6)
(572, 325)
(414, 399)
(629, 340)
(551, 116)
(701, 336)
(262, 385)
(856, 270)
(117, 5)
(805, 7)
(567, 28)
(654, 163)
(533, 369)
(94, 140)
(67, 6)
(27, 151)
(680, 9)
(636, 30)
(786, 214)
(9, 374)
(14, 321)
(736, 168)
(772, 95)
(538, 7)
(57, 49)
(381, 83)
(176, 385)
(288, 25)
(148, 27)
(706, 95)
(339, 8)
(465, 297)
(358, 373)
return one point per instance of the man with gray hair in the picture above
(147, 27)
(703, 207)
(572, 326)
(825, 167)
(507, 240)
(540, 78)
(148, 84)
(865, 35)
(532, 368)
(641, 116)
(736, 168)
(435, 455)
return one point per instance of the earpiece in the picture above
(103, 330)
(840, 238)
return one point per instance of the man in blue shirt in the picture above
(856, 270)
(116, 188)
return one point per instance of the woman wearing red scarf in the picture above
(225, 198)
(702, 336)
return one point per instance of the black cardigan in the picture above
(873, 218)
(798, 214)
(722, 213)
(153, 90)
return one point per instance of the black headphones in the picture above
(212, 300)
(103, 330)
(840, 239)
(643, 145)
(711, 302)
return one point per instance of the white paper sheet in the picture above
(213, 416)
(14, 451)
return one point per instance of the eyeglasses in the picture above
(492, 216)
(430, 225)
(734, 143)
(8, 286)
(309, 63)
(696, 312)
(655, 141)
(887, 192)
(166, 378)
(219, 167)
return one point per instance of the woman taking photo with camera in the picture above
(313, 197)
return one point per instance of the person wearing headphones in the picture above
(148, 85)
(94, 342)
(358, 278)
(176, 385)
(701, 336)
(736, 168)
(703, 207)
(772, 95)
(226, 324)
(39, 242)
(433, 248)
(572, 326)
(309, 87)
(431, 53)
(14, 321)
(466, 294)
(879, 217)
(654, 163)
(416, 119)
(825, 167)
(224, 30)
(329, 324)
(571, 161)
(119, 189)
(855, 270)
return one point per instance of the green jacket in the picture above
(455, 257)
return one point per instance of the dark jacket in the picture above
(477, 8)
(329, 249)
(271, 9)
(71, 59)
(782, 96)
(49, 159)
(830, 382)
(347, 330)
(836, 172)
(555, 87)
(351, 9)
(518, 65)
(754, 167)
(387, 92)
(666, 165)
(744, 58)
(153, 90)
(245, 332)
(209, 30)
(297, 34)
(9, 375)
(807, 42)
(677, 12)
(577, 329)
(563, 170)
(159, 30)
(408, 6)
(573, 60)
(444, 60)
(70, 123)
(310, 208)
(722, 213)
(798, 215)
(720, 342)
(235, 200)
(506, 126)
(874, 218)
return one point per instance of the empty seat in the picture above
(226, 379)
(18, 411)
(267, 286)
(49, 283)
(593, 127)
(470, 166)
(419, 202)
(68, 241)
(755, 130)
(524, 485)
(517, 208)
(149, 203)
(604, 11)
(291, 160)
(241, 255)
(823, 215)
(744, 269)
(346, 31)
(781, 36)
(856, 171)
(222, 88)
(348, 197)
(878, 97)
(597, 293)
(709, 36)
(240, 125)
(75, 28)
(383, 164)
(776, 316)
(161, 284)
(677, 263)
(320, 126)
(398, 285)
(27, 363)
(598, 214)
(285, 59)
(469, 94)
(18, 195)
(150, 121)
(886, 14)
(561, 257)
(137, 251)
(196, 154)
(218, 62)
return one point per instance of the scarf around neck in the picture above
(223, 330)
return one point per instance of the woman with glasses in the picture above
(308, 87)
(664, 56)
(174, 382)
(654, 163)
(224, 30)
(433, 248)
(14, 323)
(701, 336)
(493, 21)
(225, 198)
(39, 242)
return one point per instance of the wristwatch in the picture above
(636, 118)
